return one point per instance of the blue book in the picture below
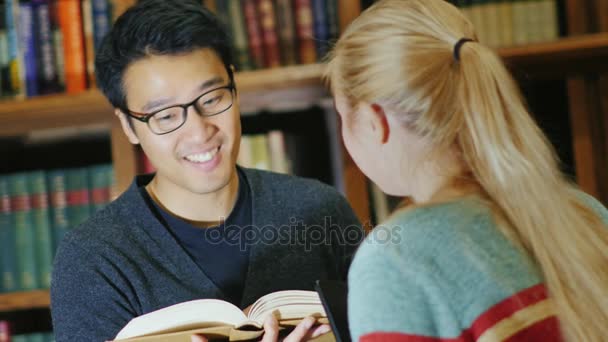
(14, 57)
(27, 42)
(8, 254)
(320, 27)
(101, 20)
(48, 76)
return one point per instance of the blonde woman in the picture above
(498, 245)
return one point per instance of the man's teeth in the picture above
(202, 157)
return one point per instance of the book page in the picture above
(183, 316)
(287, 305)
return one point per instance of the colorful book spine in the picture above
(100, 186)
(79, 203)
(42, 224)
(47, 66)
(333, 20)
(8, 239)
(25, 232)
(17, 79)
(101, 20)
(28, 44)
(70, 22)
(58, 197)
(4, 55)
(89, 40)
(320, 27)
(305, 32)
(239, 35)
(254, 34)
(58, 45)
(286, 29)
(270, 39)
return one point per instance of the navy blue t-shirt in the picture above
(220, 251)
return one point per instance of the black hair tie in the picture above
(458, 45)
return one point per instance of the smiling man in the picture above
(200, 227)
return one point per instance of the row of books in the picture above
(272, 33)
(258, 151)
(501, 23)
(37, 208)
(48, 46)
(7, 336)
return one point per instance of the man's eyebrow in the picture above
(150, 106)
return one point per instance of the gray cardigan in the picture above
(123, 262)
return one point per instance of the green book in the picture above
(57, 186)
(8, 261)
(42, 224)
(239, 35)
(78, 196)
(100, 186)
(23, 221)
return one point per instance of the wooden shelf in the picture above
(24, 300)
(567, 56)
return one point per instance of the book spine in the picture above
(304, 31)
(270, 39)
(28, 43)
(333, 20)
(25, 232)
(4, 55)
(520, 32)
(70, 22)
(550, 24)
(286, 29)
(57, 185)
(16, 67)
(261, 158)
(42, 224)
(278, 155)
(254, 33)
(89, 40)
(47, 66)
(101, 20)
(506, 22)
(245, 157)
(79, 203)
(239, 35)
(100, 187)
(58, 45)
(8, 254)
(320, 27)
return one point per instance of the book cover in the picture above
(270, 39)
(58, 198)
(304, 31)
(23, 222)
(320, 27)
(42, 226)
(8, 240)
(27, 42)
(254, 33)
(48, 79)
(70, 23)
(239, 35)
(286, 30)
(16, 67)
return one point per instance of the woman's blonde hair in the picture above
(402, 52)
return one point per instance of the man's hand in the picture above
(302, 331)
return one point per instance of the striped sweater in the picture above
(445, 273)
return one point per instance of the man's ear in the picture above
(377, 120)
(126, 127)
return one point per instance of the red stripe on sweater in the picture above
(546, 330)
(508, 307)
(401, 337)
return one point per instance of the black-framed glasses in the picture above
(169, 119)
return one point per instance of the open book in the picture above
(217, 318)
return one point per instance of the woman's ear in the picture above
(375, 117)
(127, 127)
(383, 125)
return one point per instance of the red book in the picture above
(305, 31)
(254, 33)
(270, 39)
(70, 23)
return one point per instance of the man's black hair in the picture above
(157, 27)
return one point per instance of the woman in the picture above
(498, 244)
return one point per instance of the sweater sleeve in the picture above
(390, 302)
(87, 301)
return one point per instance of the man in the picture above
(200, 227)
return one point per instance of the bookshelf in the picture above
(24, 300)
